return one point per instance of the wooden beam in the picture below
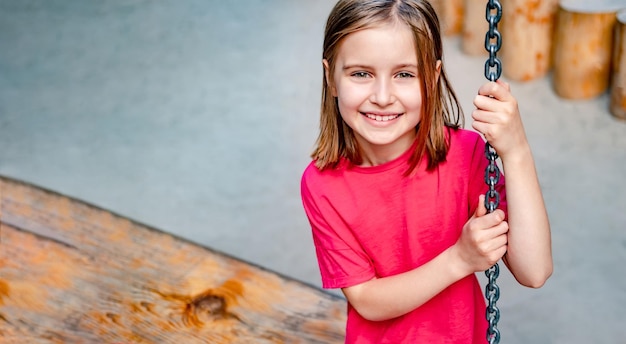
(73, 273)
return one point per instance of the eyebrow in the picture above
(359, 66)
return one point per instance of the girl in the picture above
(395, 192)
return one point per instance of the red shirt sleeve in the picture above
(341, 259)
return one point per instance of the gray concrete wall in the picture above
(197, 117)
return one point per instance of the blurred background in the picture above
(198, 117)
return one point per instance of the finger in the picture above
(500, 229)
(500, 214)
(491, 224)
(497, 217)
(480, 209)
(495, 90)
(489, 104)
(504, 84)
(496, 244)
(500, 240)
(500, 252)
(485, 116)
(484, 128)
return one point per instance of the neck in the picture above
(374, 155)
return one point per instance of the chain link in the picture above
(493, 71)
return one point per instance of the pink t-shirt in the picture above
(374, 222)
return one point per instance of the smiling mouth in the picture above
(381, 118)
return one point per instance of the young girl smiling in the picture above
(395, 191)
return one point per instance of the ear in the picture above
(437, 71)
(329, 81)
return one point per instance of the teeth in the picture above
(381, 118)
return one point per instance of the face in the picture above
(378, 89)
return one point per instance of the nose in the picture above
(382, 92)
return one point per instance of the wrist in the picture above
(517, 156)
(459, 267)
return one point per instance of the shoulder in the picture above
(465, 141)
(466, 147)
(314, 180)
(311, 175)
(464, 137)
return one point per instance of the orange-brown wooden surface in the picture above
(74, 273)
(450, 13)
(528, 30)
(475, 27)
(583, 48)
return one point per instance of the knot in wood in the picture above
(206, 307)
(209, 303)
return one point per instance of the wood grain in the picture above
(73, 273)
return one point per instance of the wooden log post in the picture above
(527, 31)
(583, 48)
(618, 81)
(450, 13)
(475, 27)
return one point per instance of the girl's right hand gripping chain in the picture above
(483, 240)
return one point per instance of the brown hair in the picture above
(440, 108)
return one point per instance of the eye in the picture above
(360, 74)
(403, 75)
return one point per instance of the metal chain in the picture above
(492, 291)
(493, 71)
(493, 47)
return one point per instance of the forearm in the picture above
(393, 296)
(529, 252)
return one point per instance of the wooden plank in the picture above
(73, 273)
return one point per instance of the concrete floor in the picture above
(197, 117)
